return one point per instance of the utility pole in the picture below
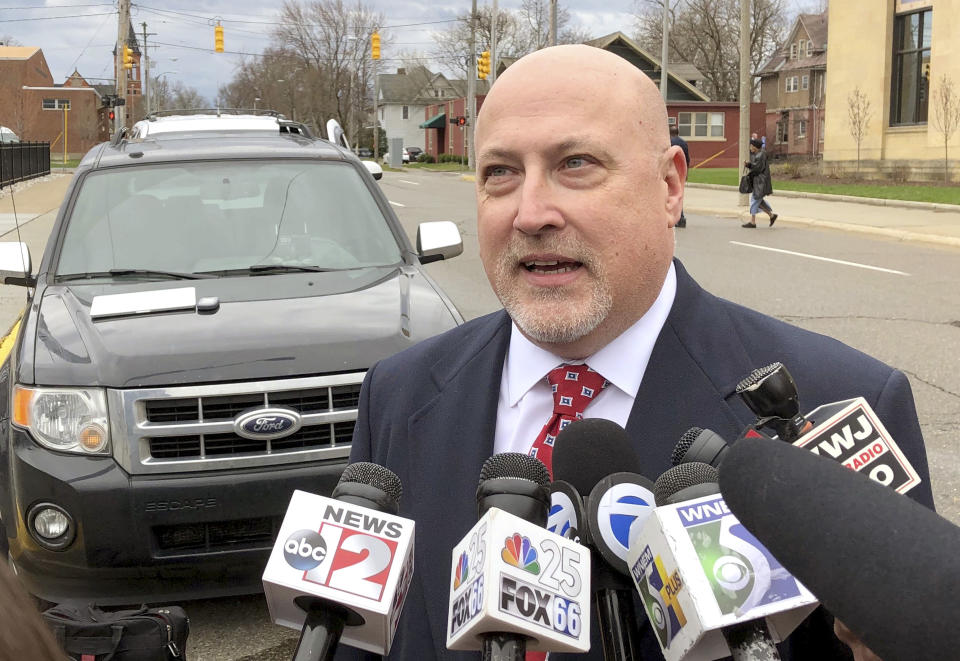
(746, 88)
(121, 77)
(146, 71)
(665, 51)
(376, 112)
(493, 43)
(472, 88)
(553, 22)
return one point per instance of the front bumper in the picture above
(149, 538)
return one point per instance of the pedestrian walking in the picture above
(675, 139)
(761, 183)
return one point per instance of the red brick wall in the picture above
(722, 153)
(451, 138)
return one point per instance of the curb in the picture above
(873, 201)
(901, 235)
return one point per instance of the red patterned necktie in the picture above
(574, 386)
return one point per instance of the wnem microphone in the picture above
(710, 588)
(884, 565)
(514, 585)
(341, 567)
(849, 432)
(588, 453)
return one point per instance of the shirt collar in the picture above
(622, 362)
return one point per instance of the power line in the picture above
(54, 18)
(99, 4)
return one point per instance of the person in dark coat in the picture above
(762, 184)
(676, 140)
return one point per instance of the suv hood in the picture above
(267, 326)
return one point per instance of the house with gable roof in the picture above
(793, 87)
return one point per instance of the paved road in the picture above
(892, 298)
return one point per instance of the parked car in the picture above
(414, 152)
(404, 157)
(7, 135)
(192, 351)
(364, 152)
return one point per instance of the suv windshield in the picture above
(225, 217)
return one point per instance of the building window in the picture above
(792, 83)
(802, 128)
(823, 125)
(406, 112)
(803, 46)
(911, 63)
(700, 124)
(805, 82)
(793, 51)
(56, 104)
(783, 128)
(809, 48)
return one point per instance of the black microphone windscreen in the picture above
(588, 450)
(374, 475)
(684, 444)
(515, 465)
(881, 563)
(682, 476)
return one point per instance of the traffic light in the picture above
(375, 45)
(218, 38)
(483, 65)
(461, 121)
(112, 115)
(127, 57)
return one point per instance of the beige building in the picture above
(896, 52)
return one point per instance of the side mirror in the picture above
(438, 240)
(15, 264)
(373, 169)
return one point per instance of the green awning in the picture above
(434, 122)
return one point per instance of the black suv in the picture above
(192, 351)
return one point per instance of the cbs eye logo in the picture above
(304, 549)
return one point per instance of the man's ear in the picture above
(674, 175)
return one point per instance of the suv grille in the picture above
(216, 535)
(192, 427)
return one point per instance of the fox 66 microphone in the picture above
(883, 564)
(849, 432)
(589, 453)
(709, 587)
(341, 566)
(514, 585)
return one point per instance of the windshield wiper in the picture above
(119, 273)
(287, 268)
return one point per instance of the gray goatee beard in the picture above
(548, 315)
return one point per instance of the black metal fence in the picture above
(23, 160)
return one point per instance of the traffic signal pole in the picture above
(471, 110)
(123, 29)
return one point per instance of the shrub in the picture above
(836, 171)
(899, 173)
(425, 158)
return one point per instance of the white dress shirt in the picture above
(526, 399)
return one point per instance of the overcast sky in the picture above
(80, 34)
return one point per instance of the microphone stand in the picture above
(616, 614)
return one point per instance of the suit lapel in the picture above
(451, 437)
(696, 363)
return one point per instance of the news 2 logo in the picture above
(543, 608)
(659, 592)
(304, 549)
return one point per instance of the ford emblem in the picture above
(265, 424)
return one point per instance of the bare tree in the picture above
(946, 116)
(858, 118)
(174, 95)
(331, 39)
(706, 33)
(7, 40)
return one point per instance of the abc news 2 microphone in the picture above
(341, 567)
(710, 589)
(514, 585)
(849, 432)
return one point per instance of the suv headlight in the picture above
(64, 419)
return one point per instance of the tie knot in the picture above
(574, 386)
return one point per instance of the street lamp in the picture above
(255, 99)
(156, 93)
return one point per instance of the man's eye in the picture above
(495, 171)
(576, 162)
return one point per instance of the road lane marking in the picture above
(7, 343)
(822, 259)
(415, 183)
(397, 204)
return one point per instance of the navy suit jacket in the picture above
(429, 414)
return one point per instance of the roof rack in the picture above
(119, 136)
(214, 111)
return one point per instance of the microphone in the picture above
(616, 504)
(341, 566)
(514, 585)
(881, 563)
(848, 431)
(709, 587)
(698, 445)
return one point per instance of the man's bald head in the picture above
(589, 75)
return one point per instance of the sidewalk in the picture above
(906, 221)
(32, 198)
